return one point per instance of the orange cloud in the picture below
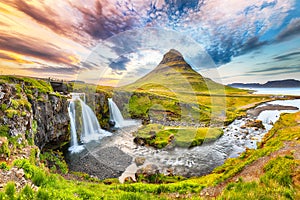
(13, 57)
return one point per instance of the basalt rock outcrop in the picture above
(30, 114)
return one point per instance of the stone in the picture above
(139, 161)
(129, 179)
(171, 138)
(255, 123)
(20, 173)
(147, 171)
(243, 127)
(170, 172)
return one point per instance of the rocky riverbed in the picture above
(119, 156)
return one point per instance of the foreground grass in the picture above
(278, 180)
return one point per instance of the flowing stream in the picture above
(114, 156)
(203, 159)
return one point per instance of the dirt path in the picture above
(253, 171)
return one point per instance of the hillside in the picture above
(174, 74)
(175, 90)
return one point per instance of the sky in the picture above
(115, 42)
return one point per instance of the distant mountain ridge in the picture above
(288, 83)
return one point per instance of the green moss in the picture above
(3, 107)
(4, 166)
(10, 113)
(4, 131)
(29, 137)
(55, 160)
(18, 88)
(34, 126)
(17, 103)
(30, 83)
(139, 106)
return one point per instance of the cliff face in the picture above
(32, 113)
(28, 114)
(52, 119)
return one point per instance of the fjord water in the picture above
(116, 116)
(277, 91)
(90, 128)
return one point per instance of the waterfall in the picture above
(116, 116)
(74, 142)
(90, 128)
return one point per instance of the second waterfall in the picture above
(116, 116)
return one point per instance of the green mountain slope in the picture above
(175, 89)
(174, 74)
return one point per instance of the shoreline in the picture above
(256, 111)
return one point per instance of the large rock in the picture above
(148, 170)
(255, 123)
(139, 161)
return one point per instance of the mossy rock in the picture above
(4, 147)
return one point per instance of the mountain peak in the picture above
(172, 56)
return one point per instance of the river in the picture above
(114, 156)
(203, 159)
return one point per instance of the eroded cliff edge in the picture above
(32, 113)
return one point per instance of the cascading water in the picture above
(74, 141)
(116, 116)
(90, 128)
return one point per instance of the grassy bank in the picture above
(160, 136)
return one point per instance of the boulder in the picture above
(139, 161)
(147, 171)
(255, 123)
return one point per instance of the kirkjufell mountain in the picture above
(174, 73)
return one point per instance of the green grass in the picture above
(179, 92)
(30, 83)
(55, 161)
(275, 182)
(183, 136)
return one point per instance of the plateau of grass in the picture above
(178, 136)
(30, 83)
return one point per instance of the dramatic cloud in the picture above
(291, 69)
(288, 56)
(35, 48)
(292, 30)
(53, 70)
(120, 63)
(65, 32)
